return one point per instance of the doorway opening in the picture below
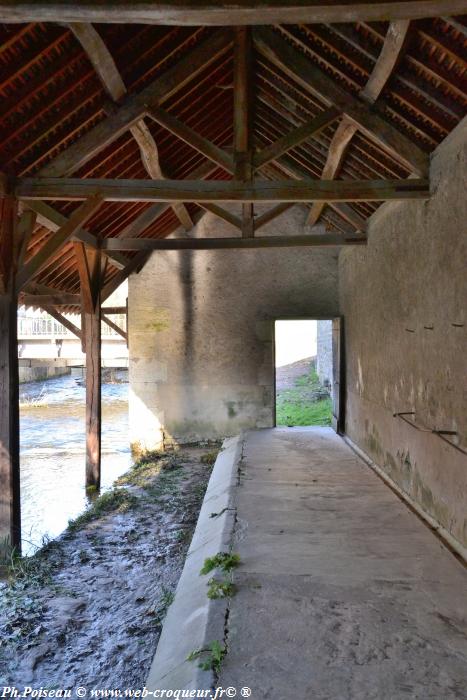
(307, 373)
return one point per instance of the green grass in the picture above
(298, 406)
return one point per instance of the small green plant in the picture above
(223, 560)
(215, 653)
(220, 589)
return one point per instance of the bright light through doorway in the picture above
(302, 397)
(295, 340)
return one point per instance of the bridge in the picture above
(47, 348)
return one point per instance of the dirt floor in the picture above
(87, 610)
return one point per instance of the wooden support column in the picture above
(242, 121)
(10, 515)
(89, 265)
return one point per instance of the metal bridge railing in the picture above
(49, 328)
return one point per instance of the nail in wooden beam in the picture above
(10, 513)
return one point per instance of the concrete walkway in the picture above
(342, 592)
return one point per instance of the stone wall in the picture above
(201, 331)
(324, 352)
(404, 298)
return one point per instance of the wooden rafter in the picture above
(295, 137)
(374, 125)
(135, 107)
(388, 58)
(108, 73)
(53, 220)
(206, 148)
(55, 242)
(212, 13)
(218, 190)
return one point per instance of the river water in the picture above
(53, 452)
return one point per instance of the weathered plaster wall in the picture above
(201, 331)
(404, 299)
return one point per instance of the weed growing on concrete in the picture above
(116, 501)
(223, 560)
(215, 653)
(220, 589)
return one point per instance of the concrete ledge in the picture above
(441, 531)
(193, 620)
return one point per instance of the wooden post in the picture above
(243, 96)
(92, 340)
(90, 271)
(10, 516)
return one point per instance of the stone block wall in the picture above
(404, 301)
(201, 332)
(324, 352)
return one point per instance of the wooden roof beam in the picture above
(215, 13)
(189, 136)
(296, 137)
(135, 107)
(147, 245)
(382, 70)
(52, 219)
(243, 99)
(314, 80)
(108, 73)
(121, 190)
(58, 240)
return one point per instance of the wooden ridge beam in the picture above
(150, 244)
(62, 236)
(296, 137)
(134, 108)
(212, 13)
(374, 125)
(121, 190)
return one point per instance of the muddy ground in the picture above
(87, 610)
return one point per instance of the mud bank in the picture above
(87, 610)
